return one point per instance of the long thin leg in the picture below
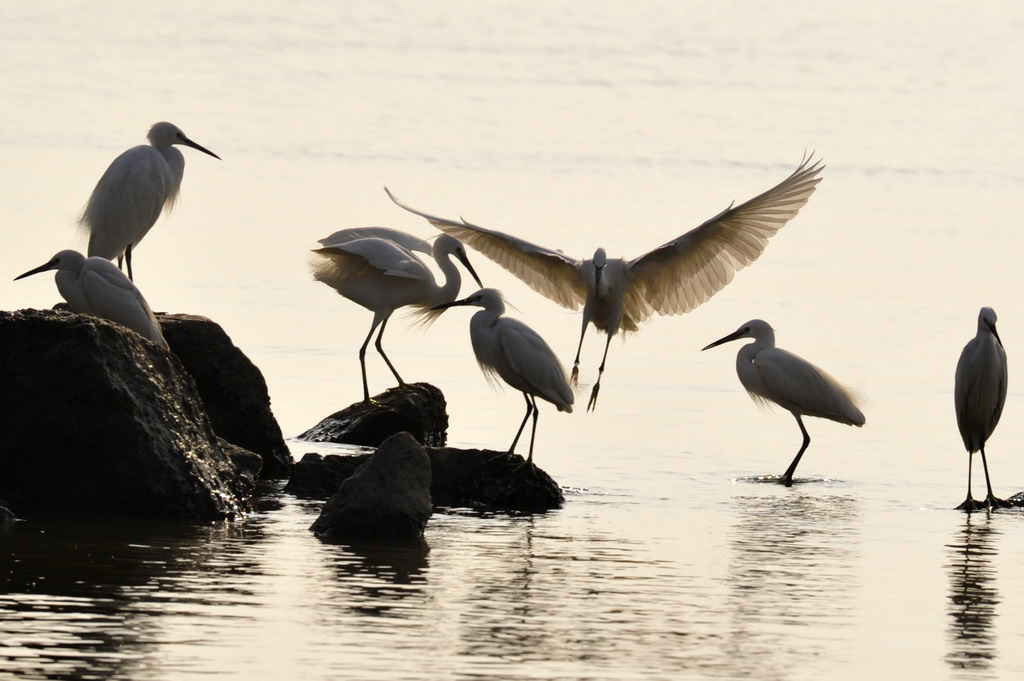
(575, 377)
(533, 432)
(787, 477)
(529, 408)
(600, 370)
(362, 360)
(969, 503)
(992, 501)
(381, 351)
(128, 259)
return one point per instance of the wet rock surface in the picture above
(233, 389)
(388, 496)
(97, 419)
(416, 408)
(471, 478)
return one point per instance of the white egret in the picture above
(618, 294)
(382, 275)
(979, 395)
(133, 191)
(771, 374)
(96, 286)
(515, 353)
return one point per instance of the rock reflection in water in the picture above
(972, 595)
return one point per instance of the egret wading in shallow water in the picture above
(133, 191)
(515, 353)
(618, 294)
(979, 395)
(771, 374)
(96, 286)
(376, 268)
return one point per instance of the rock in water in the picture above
(471, 478)
(415, 408)
(94, 418)
(388, 497)
(233, 389)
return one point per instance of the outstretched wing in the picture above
(680, 275)
(550, 273)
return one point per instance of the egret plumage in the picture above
(371, 266)
(771, 374)
(979, 395)
(96, 286)
(133, 191)
(675, 278)
(508, 349)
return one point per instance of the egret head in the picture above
(449, 244)
(489, 298)
(758, 329)
(987, 322)
(600, 259)
(64, 260)
(164, 134)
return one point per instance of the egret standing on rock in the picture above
(515, 353)
(771, 374)
(133, 191)
(675, 278)
(96, 286)
(382, 275)
(979, 395)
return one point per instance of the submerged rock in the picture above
(416, 408)
(234, 391)
(97, 419)
(473, 478)
(387, 497)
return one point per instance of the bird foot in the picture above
(786, 480)
(593, 397)
(574, 377)
(969, 505)
(995, 502)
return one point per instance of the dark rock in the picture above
(318, 477)
(471, 478)
(97, 419)
(232, 388)
(388, 496)
(416, 408)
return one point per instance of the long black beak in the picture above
(996, 334)
(731, 337)
(41, 268)
(445, 306)
(189, 143)
(465, 261)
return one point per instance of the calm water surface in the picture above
(572, 125)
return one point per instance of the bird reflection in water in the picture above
(972, 596)
(792, 566)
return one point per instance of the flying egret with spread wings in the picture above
(133, 191)
(96, 286)
(771, 374)
(675, 278)
(515, 353)
(979, 394)
(377, 268)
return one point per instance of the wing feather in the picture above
(550, 273)
(683, 273)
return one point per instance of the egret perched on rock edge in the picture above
(511, 350)
(133, 191)
(979, 395)
(771, 374)
(96, 286)
(675, 278)
(382, 275)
